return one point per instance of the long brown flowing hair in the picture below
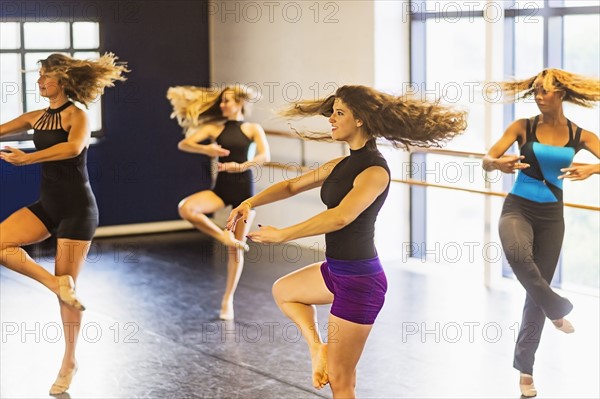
(405, 122)
(84, 80)
(194, 106)
(579, 89)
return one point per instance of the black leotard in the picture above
(66, 205)
(356, 240)
(233, 188)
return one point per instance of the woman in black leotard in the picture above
(218, 115)
(354, 188)
(532, 225)
(66, 207)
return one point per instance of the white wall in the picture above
(300, 49)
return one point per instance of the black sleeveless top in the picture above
(58, 175)
(356, 240)
(233, 188)
(233, 139)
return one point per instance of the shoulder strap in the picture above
(529, 137)
(534, 127)
(574, 139)
(577, 139)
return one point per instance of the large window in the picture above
(455, 47)
(22, 44)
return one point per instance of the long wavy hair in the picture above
(405, 122)
(194, 106)
(578, 89)
(84, 80)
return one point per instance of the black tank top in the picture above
(356, 240)
(233, 139)
(48, 131)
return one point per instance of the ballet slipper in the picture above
(526, 386)
(66, 292)
(63, 382)
(226, 311)
(564, 325)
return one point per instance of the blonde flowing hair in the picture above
(84, 80)
(405, 122)
(579, 89)
(194, 106)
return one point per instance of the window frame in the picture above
(24, 139)
(552, 12)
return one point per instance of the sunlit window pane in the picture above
(581, 41)
(574, 3)
(534, 5)
(529, 47)
(31, 60)
(445, 239)
(451, 6)
(46, 35)
(10, 84)
(581, 254)
(581, 55)
(529, 59)
(445, 242)
(10, 37)
(86, 35)
(455, 69)
(86, 55)
(35, 101)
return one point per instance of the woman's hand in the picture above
(229, 167)
(579, 172)
(510, 163)
(215, 150)
(267, 235)
(237, 214)
(14, 156)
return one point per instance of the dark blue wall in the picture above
(137, 173)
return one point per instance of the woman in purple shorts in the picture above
(354, 188)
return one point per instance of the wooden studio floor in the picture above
(151, 330)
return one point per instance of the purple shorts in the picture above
(358, 287)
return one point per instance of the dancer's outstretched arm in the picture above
(368, 185)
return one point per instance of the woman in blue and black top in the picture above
(66, 207)
(532, 225)
(354, 189)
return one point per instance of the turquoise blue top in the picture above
(540, 182)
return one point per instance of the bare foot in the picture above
(226, 310)
(228, 239)
(319, 367)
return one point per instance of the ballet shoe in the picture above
(564, 325)
(66, 292)
(527, 390)
(63, 382)
(226, 313)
